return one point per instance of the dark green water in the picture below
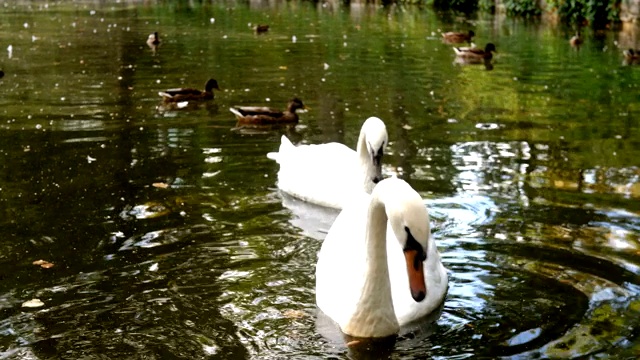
(530, 171)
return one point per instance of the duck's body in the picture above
(261, 28)
(378, 268)
(631, 56)
(153, 40)
(454, 37)
(331, 174)
(474, 53)
(260, 115)
(576, 40)
(189, 94)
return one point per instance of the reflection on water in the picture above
(167, 234)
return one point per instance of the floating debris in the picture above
(33, 303)
(43, 264)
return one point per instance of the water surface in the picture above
(167, 233)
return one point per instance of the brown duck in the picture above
(473, 53)
(260, 115)
(458, 37)
(261, 28)
(153, 40)
(188, 94)
(631, 56)
(576, 40)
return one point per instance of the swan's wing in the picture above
(407, 309)
(324, 174)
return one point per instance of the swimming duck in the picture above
(261, 28)
(153, 40)
(576, 40)
(379, 268)
(261, 115)
(631, 56)
(330, 174)
(457, 37)
(188, 94)
(476, 53)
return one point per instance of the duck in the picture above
(153, 40)
(576, 40)
(458, 37)
(261, 28)
(261, 115)
(188, 94)
(331, 173)
(631, 56)
(379, 269)
(476, 53)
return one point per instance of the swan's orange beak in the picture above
(415, 270)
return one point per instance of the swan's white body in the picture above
(362, 280)
(331, 174)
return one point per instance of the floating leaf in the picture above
(33, 303)
(293, 314)
(43, 264)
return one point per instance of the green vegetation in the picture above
(596, 12)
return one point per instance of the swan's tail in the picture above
(285, 146)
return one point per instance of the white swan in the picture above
(371, 279)
(331, 174)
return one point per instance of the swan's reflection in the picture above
(314, 220)
(379, 348)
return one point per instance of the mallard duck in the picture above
(188, 94)
(631, 56)
(576, 40)
(261, 115)
(261, 28)
(476, 53)
(153, 40)
(458, 37)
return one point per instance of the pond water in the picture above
(169, 238)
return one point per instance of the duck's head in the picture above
(374, 134)
(490, 47)
(210, 85)
(409, 221)
(296, 104)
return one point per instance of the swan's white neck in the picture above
(374, 315)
